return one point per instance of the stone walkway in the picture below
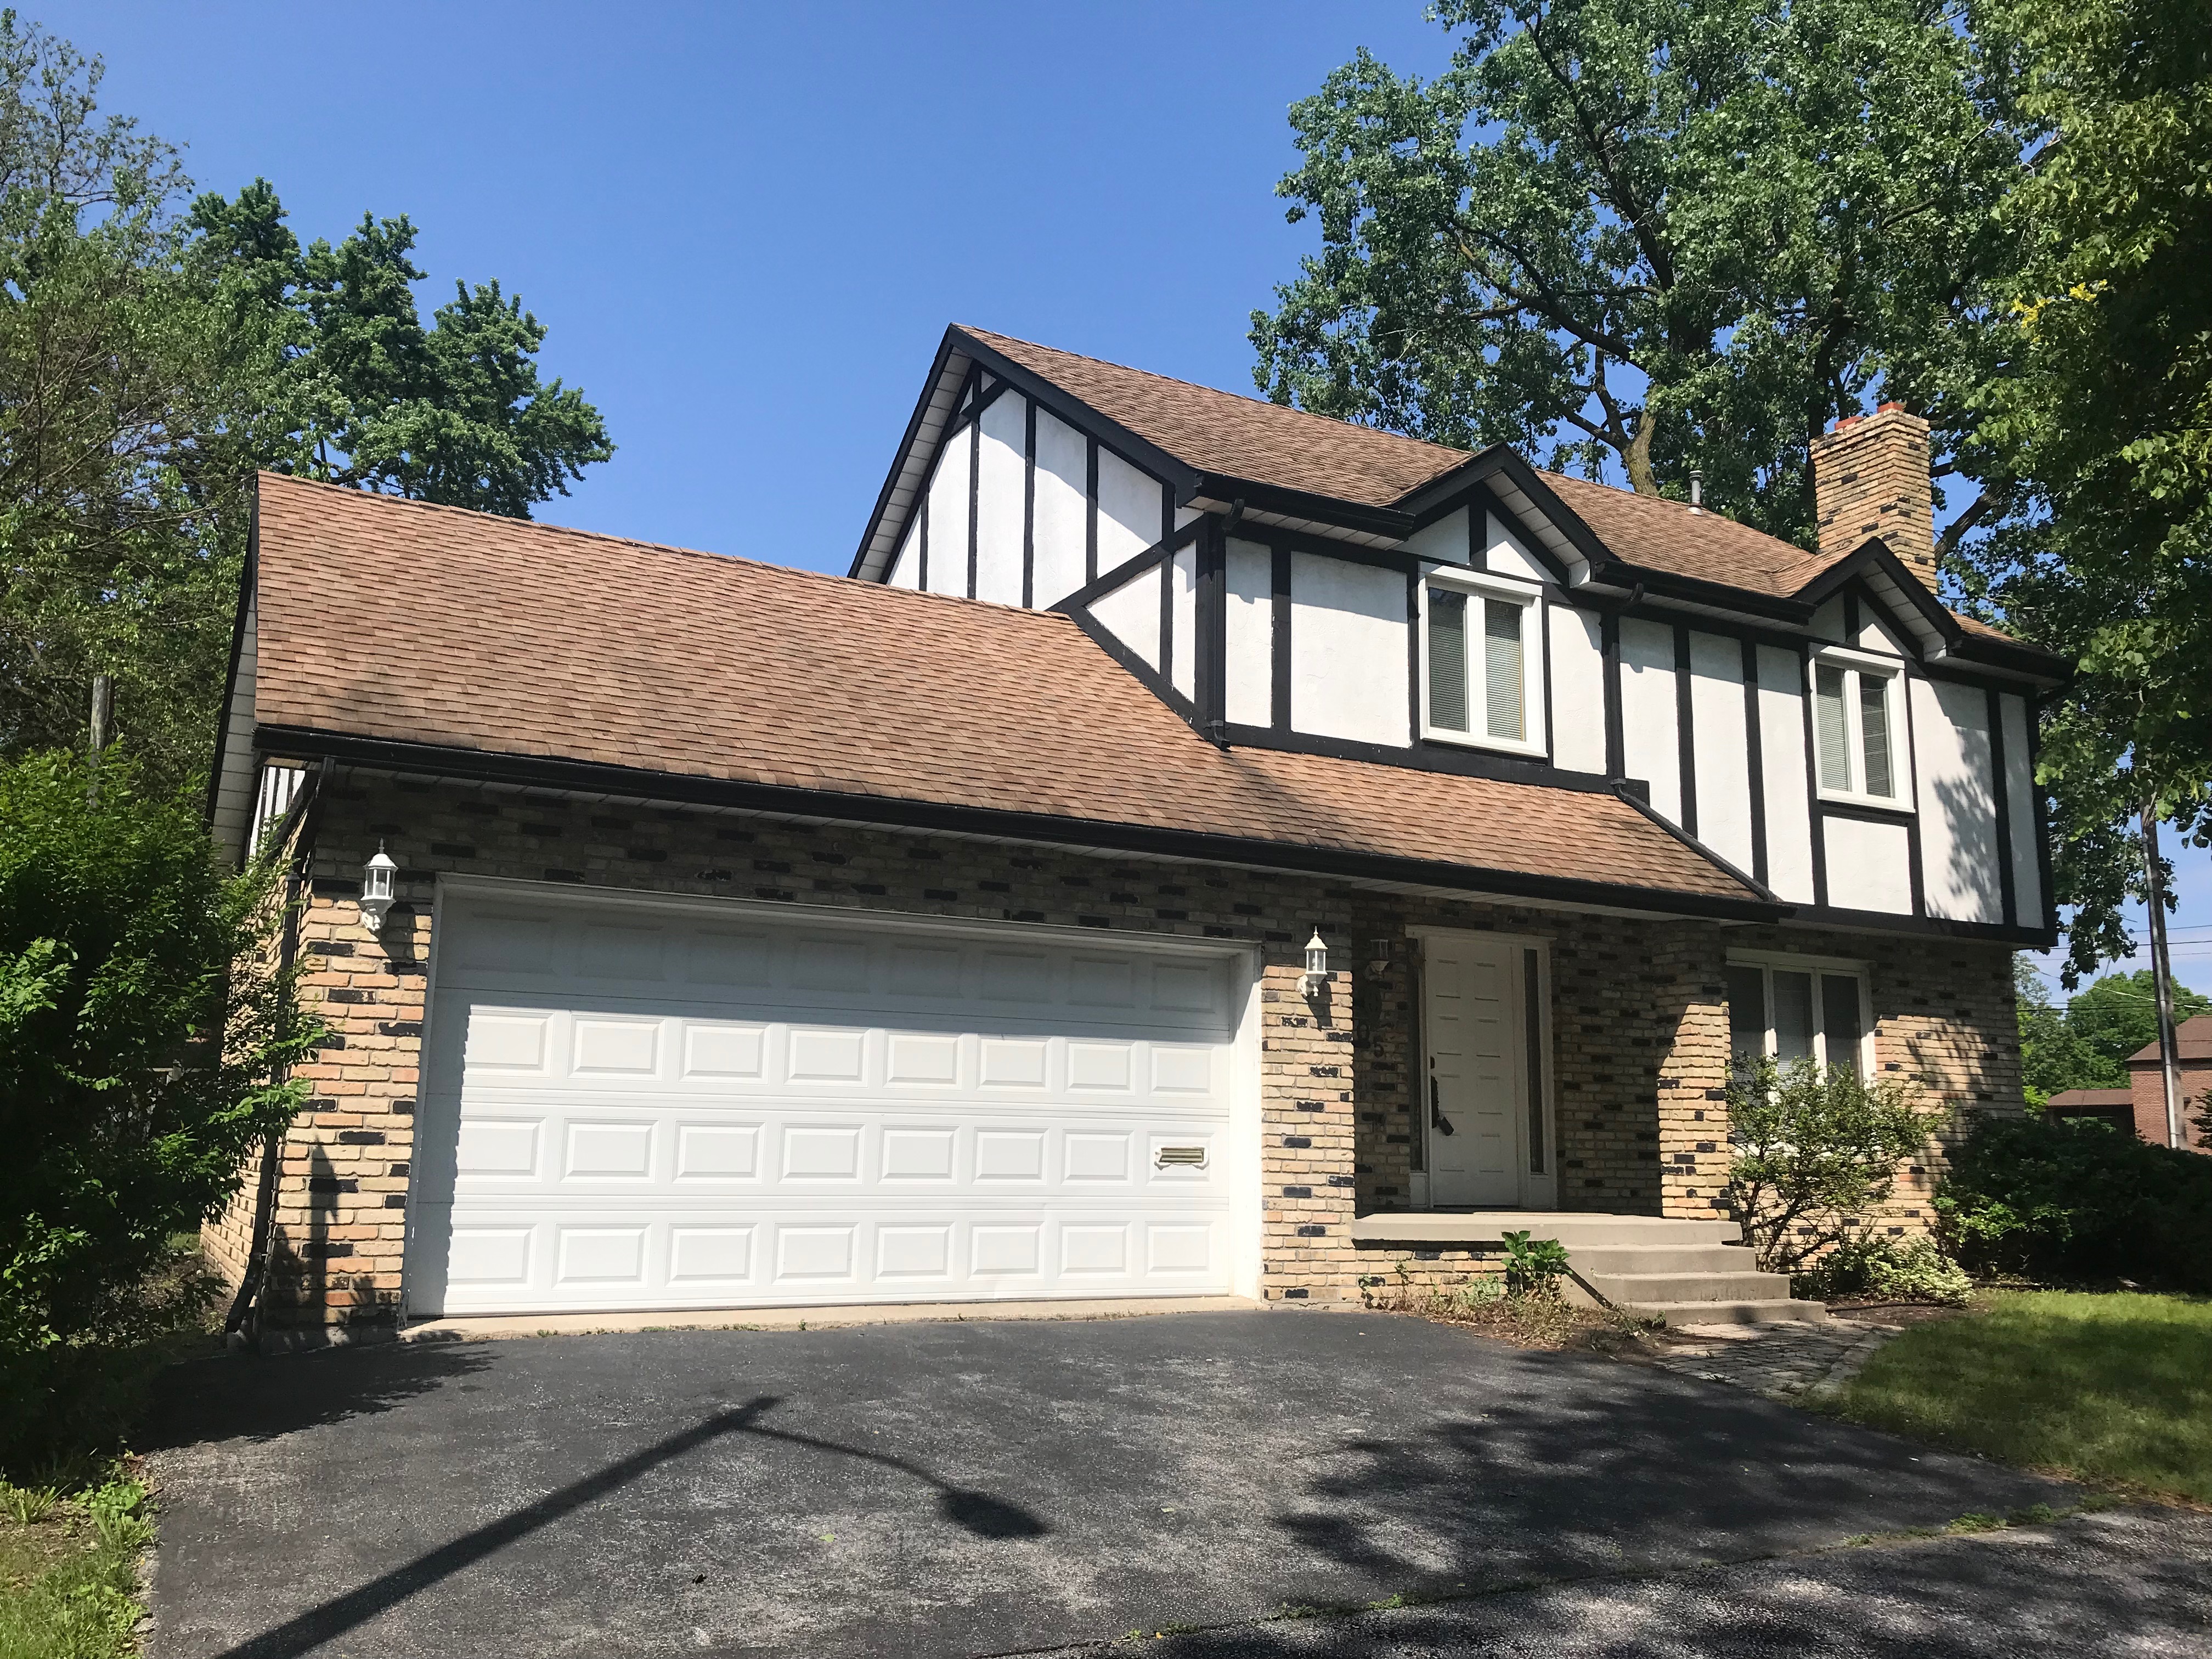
(1783, 1361)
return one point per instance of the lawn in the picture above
(68, 1570)
(2112, 1390)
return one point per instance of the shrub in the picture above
(1814, 1150)
(1912, 1270)
(2077, 1200)
(1533, 1268)
(141, 1041)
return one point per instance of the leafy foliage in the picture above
(1892, 1270)
(365, 395)
(2053, 1055)
(150, 360)
(2096, 436)
(2077, 1200)
(143, 1037)
(1533, 1268)
(1815, 1149)
(2117, 1015)
(1654, 235)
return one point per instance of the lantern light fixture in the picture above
(1316, 975)
(377, 878)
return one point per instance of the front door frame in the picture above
(1538, 1191)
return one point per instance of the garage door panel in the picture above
(840, 1115)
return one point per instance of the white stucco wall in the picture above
(1348, 650)
(1649, 738)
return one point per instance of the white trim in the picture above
(1857, 666)
(1793, 959)
(1535, 654)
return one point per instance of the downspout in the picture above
(241, 1328)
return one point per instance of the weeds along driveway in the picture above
(962, 1488)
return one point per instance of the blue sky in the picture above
(746, 227)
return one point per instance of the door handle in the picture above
(1437, 1118)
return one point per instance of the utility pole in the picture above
(2161, 973)
(103, 709)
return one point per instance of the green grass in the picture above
(69, 1580)
(2112, 1390)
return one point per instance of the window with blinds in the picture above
(1483, 655)
(1789, 1009)
(1855, 722)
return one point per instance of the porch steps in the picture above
(1687, 1272)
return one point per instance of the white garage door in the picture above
(630, 1106)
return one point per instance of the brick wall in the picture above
(2147, 1090)
(1640, 1026)
(1870, 478)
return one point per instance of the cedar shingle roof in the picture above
(400, 620)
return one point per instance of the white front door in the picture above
(1485, 1111)
(716, 1105)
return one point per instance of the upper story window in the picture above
(1788, 1008)
(1483, 644)
(1858, 728)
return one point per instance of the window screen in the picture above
(1447, 659)
(1501, 658)
(1832, 727)
(1874, 728)
(1839, 1018)
(1793, 1016)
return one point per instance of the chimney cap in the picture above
(1846, 421)
(1887, 409)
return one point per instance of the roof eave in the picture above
(539, 771)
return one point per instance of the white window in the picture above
(1791, 1008)
(1483, 646)
(1858, 729)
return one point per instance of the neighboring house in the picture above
(768, 937)
(2114, 1106)
(2146, 1093)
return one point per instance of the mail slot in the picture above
(1188, 1157)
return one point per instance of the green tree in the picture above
(1654, 235)
(453, 413)
(2117, 1015)
(2053, 1056)
(2096, 436)
(143, 1034)
(150, 360)
(129, 405)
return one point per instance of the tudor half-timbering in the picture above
(939, 933)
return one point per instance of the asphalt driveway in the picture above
(963, 1488)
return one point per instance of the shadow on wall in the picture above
(1977, 841)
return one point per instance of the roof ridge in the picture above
(380, 499)
(1215, 391)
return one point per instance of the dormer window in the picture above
(1483, 646)
(1858, 728)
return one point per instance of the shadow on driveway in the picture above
(963, 1488)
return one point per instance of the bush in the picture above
(1814, 1150)
(1912, 1270)
(140, 1046)
(1533, 1268)
(2063, 1199)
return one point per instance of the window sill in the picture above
(1882, 806)
(1535, 751)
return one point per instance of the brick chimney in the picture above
(1870, 478)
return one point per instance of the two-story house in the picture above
(1202, 849)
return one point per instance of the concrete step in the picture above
(1662, 1259)
(1646, 1290)
(1575, 1231)
(1734, 1313)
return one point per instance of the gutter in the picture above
(592, 777)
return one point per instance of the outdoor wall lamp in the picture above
(1315, 978)
(376, 882)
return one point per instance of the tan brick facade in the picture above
(1870, 478)
(1639, 1021)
